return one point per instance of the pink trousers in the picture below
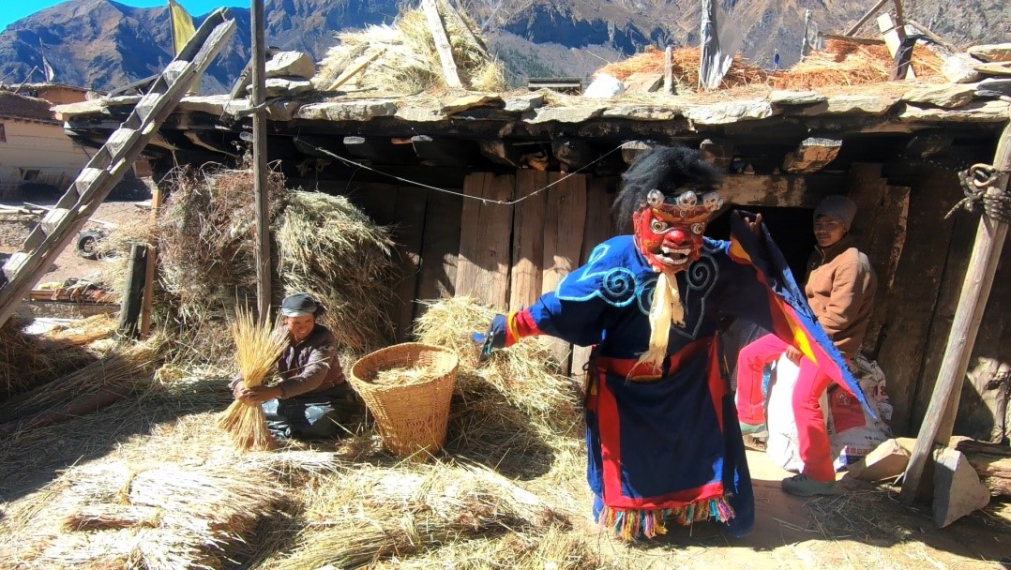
(815, 449)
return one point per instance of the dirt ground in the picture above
(69, 264)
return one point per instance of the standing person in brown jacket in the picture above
(840, 288)
(312, 394)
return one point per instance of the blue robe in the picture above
(665, 444)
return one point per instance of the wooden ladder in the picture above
(107, 167)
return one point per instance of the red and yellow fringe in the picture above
(630, 524)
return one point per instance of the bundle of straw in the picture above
(257, 348)
(329, 248)
(846, 63)
(404, 59)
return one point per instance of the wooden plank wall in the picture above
(879, 230)
(528, 239)
(564, 221)
(485, 239)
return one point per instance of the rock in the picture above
(642, 82)
(862, 104)
(643, 112)
(291, 64)
(471, 101)
(975, 112)
(886, 461)
(958, 69)
(944, 96)
(994, 87)
(1001, 68)
(991, 52)
(781, 97)
(286, 86)
(729, 112)
(604, 86)
(359, 110)
(524, 103)
(957, 488)
(569, 114)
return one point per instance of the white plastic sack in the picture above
(604, 86)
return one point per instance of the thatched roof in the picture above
(15, 106)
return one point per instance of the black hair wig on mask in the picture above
(670, 169)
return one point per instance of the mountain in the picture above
(103, 44)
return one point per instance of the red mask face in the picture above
(669, 242)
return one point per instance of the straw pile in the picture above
(848, 63)
(84, 331)
(156, 516)
(403, 376)
(686, 68)
(98, 384)
(405, 58)
(19, 358)
(332, 250)
(410, 511)
(257, 348)
(206, 234)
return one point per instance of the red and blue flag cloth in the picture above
(664, 443)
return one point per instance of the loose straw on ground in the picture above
(257, 348)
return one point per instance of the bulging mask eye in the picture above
(658, 226)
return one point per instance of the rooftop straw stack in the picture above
(257, 348)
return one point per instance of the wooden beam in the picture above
(863, 20)
(134, 288)
(501, 152)
(442, 45)
(572, 153)
(894, 35)
(668, 71)
(151, 265)
(443, 151)
(940, 418)
(928, 144)
(772, 191)
(380, 150)
(260, 191)
(812, 155)
(631, 149)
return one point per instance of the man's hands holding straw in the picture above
(256, 395)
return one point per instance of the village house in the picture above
(35, 154)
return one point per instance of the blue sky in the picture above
(13, 10)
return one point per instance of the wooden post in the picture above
(442, 44)
(710, 46)
(939, 420)
(260, 192)
(805, 46)
(668, 70)
(900, 19)
(129, 309)
(870, 13)
(149, 270)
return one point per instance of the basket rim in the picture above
(355, 378)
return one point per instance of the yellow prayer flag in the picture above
(182, 26)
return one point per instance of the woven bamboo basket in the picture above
(411, 418)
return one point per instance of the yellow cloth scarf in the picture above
(665, 309)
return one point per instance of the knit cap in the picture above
(838, 207)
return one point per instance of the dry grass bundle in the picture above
(19, 358)
(847, 63)
(526, 374)
(115, 375)
(686, 68)
(372, 514)
(329, 248)
(257, 348)
(161, 516)
(84, 331)
(206, 237)
(405, 57)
